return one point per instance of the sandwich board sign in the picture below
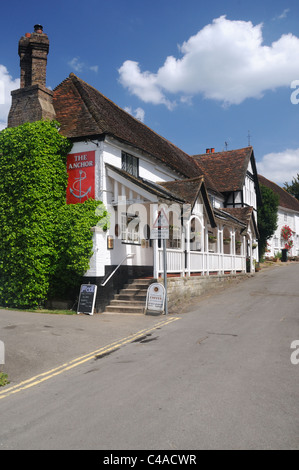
(155, 299)
(2, 353)
(160, 228)
(87, 298)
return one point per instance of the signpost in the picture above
(160, 228)
(155, 299)
(87, 298)
(160, 231)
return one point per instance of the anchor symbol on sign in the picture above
(77, 191)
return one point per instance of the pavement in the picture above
(37, 342)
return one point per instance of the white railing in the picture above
(175, 261)
(196, 263)
(200, 262)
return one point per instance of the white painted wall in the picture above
(148, 168)
(249, 193)
(276, 243)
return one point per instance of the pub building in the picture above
(210, 199)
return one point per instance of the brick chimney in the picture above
(33, 101)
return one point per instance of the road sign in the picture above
(160, 228)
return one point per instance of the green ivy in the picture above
(45, 244)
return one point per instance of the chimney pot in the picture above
(38, 28)
(207, 150)
(33, 101)
(212, 150)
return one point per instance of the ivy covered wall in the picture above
(45, 244)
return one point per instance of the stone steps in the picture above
(131, 298)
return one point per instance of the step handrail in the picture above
(129, 255)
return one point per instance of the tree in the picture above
(267, 217)
(38, 230)
(293, 188)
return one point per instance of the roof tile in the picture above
(286, 200)
(83, 111)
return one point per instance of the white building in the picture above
(208, 201)
(288, 215)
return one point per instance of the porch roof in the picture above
(189, 190)
(180, 191)
(244, 215)
(150, 187)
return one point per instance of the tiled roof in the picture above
(286, 200)
(83, 111)
(242, 214)
(226, 170)
(180, 191)
(149, 186)
(188, 190)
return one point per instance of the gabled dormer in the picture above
(233, 173)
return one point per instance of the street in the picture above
(217, 375)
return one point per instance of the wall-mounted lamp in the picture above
(110, 242)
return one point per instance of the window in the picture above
(130, 164)
(130, 228)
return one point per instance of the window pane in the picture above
(123, 162)
(130, 164)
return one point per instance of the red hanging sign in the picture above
(81, 177)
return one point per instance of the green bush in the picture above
(44, 243)
(3, 379)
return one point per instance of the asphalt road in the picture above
(215, 376)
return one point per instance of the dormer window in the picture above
(130, 164)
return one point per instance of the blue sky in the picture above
(202, 74)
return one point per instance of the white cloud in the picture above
(80, 66)
(225, 61)
(283, 14)
(76, 64)
(142, 84)
(138, 113)
(94, 68)
(280, 167)
(7, 84)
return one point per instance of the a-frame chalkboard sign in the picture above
(87, 298)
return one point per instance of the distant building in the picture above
(288, 215)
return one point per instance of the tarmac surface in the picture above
(36, 342)
(217, 374)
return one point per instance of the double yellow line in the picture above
(81, 360)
